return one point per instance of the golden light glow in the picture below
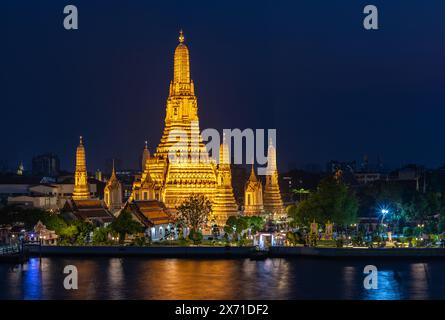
(173, 182)
(113, 192)
(81, 187)
(272, 197)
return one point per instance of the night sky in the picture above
(332, 89)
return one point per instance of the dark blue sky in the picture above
(308, 68)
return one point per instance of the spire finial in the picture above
(181, 36)
(113, 166)
(80, 140)
(146, 144)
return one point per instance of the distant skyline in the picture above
(333, 90)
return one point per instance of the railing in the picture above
(9, 249)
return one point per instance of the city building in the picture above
(46, 236)
(20, 169)
(368, 177)
(345, 166)
(47, 164)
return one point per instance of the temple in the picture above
(82, 206)
(224, 204)
(273, 203)
(81, 187)
(113, 193)
(171, 179)
(253, 196)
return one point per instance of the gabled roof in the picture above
(149, 212)
(90, 209)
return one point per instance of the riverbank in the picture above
(153, 251)
(357, 252)
(233, 252)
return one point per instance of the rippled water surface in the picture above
(139, 278)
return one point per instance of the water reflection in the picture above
(388, 287)
(32, 280)
(138, 278)
(420, 275)
(116, 279)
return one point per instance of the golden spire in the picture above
(273, 202)
(253, 175)
(113, 192)
(181, 62)
(271, 158)
(113, 172)
(80, 156)
(224, 153)
(81, 188)
(145, 156)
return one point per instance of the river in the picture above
(144, 278)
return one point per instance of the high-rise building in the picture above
(47, 165)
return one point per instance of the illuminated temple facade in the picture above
(82, 206)
(173, 179)
(81, 187)
(273, 203)
(181, 165)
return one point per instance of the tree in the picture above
(256, 223)
(230, 226)
(69, 233)
(84, 230)
(124, 224)
(194, 211)
(333, 201)
(54, 222)
(100, 235)
(242, 223)
(235, 225)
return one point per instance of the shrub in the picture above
(339, 243)
(195, 236)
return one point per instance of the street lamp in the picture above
(384, 212)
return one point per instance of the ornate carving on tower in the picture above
(81, 187)
(273, 204)
(224, 204)
(145, 188)
(253, 196)
(113, 193)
